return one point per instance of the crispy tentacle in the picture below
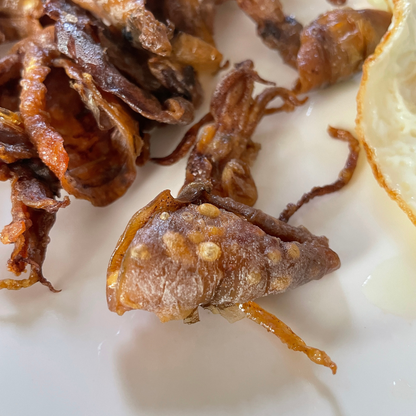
(186, 143)
(285, 334)
(343, 178)
(224, 150)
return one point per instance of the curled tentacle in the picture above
(343, 178)
(185, 144)
(224, 150)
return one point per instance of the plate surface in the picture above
(66, 354)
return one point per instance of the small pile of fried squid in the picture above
(81, 91)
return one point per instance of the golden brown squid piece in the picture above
(136, 19)
(335, 46)
(19, 19)
(193, 43)
(76, 35)
(34, 202)
(332, 48)
(34, 206)
(195, 17)
(14, 141)
(202, 249)
(88, 138)
(224, 151)
(277, 31)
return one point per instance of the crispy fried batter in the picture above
(88, 138)
(202, 56)
(102, 143)
(19, 19)
(205, 250)
(179, 79)
(195, 17)
(335, 45)
(34, 207)
(14, 141)
(37, 54)
(76, 37)
(133, 16)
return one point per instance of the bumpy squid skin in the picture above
(183, 255)
(179, 254)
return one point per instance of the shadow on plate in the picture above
(214, 366)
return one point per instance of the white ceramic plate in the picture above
(66, 354)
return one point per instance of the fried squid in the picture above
(206, 248)
(330, 49)
(335, 46)
(19, 19)
(34, 193)
(224, 151)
